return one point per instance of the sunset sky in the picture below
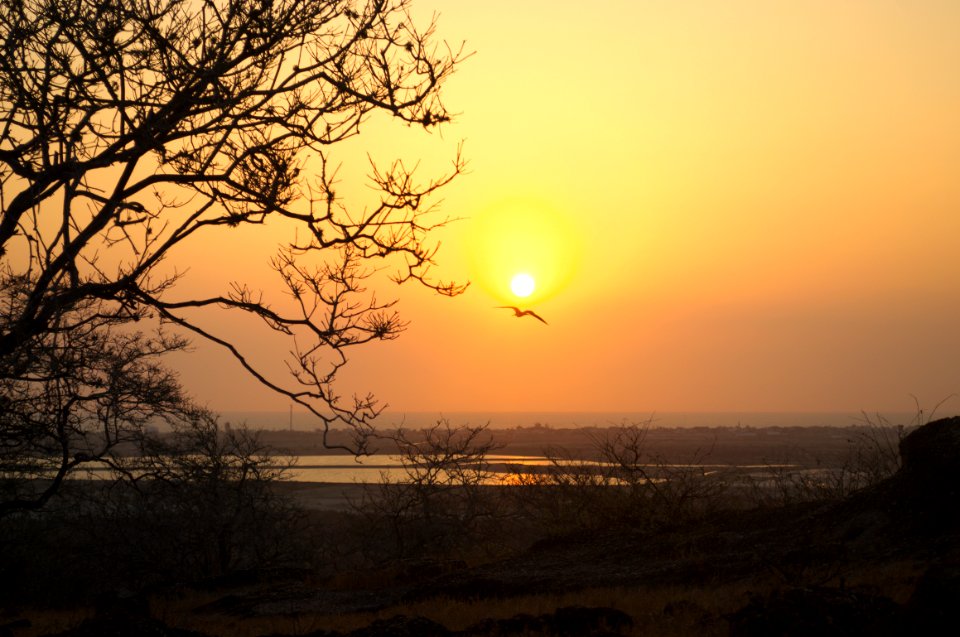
(726, 206)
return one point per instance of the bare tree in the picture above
(625, 483)
(196, 502)
(191, 503)
(129, 128)
(569, 492)
(658, 490)
(439, 500)
(80, 391)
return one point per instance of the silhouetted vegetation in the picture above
(441, 502)
(130, 130)
(74, 395)
(197, 535)
(626, 482)
(190, 505)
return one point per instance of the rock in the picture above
(928, 483)
(932, 452)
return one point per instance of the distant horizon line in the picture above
(593, 412)
(303, 420)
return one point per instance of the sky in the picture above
(736, 206)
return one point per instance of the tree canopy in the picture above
(130, 127)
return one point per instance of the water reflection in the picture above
(503, 468)
(345, 469)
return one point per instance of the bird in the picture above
(519, 313)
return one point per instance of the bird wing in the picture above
(518, 312)
(536, 316)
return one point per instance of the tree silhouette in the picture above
(131, 127)
(74, 394)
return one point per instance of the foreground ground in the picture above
(884, 561)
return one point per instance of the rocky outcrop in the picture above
(928, 483)
(932, 453)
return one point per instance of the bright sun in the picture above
(522, 284)
(522, 249)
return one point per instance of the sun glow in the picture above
(523, 248)
(522, 285)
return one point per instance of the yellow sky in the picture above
(745, 205)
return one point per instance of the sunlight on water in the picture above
(503, 469)
(343, 469)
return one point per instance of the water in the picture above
(346, 469)
(369, 469)
(372, 469)
(342, 469)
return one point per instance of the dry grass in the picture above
(896, 579)
(667, 611)
(664, 611)
(657, 611)
(51, 621)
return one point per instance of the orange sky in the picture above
(743, 206)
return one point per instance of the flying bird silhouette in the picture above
(519, 313)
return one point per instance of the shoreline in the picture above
(705, 445)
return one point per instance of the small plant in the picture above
(626, 484)
(440, 502)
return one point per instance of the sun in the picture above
(523, 248)
(522, 284)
